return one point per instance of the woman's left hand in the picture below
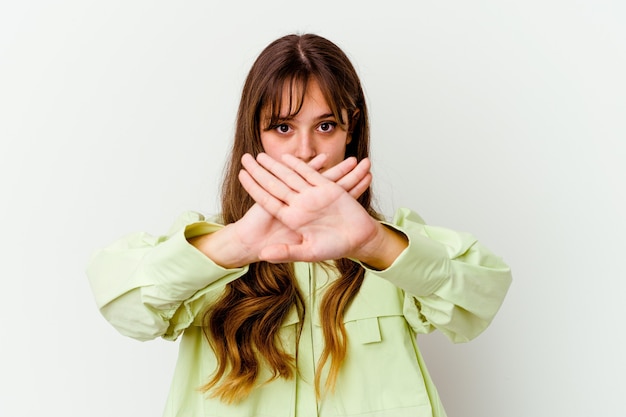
(331, 223)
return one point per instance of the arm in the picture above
(381, 251)
(451, 281)
(150, 286)
(243, 242)
(323, 212)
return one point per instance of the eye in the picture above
(327, 127)
(283, 128)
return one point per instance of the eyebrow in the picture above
(325, 116)
(320, 117)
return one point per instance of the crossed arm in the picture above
(301, 214)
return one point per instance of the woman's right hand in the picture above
(240, 243)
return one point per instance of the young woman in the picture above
(299, 299)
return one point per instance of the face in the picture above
(313, 131)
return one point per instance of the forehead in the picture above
(288, 100)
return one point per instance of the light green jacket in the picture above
(150, 287)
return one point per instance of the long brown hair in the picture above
(242, 326)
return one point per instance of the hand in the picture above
(324, 213)
(258, 229)
(241, 243)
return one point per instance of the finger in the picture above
(360, 188)
(275, 254)
(259, 194)
(318, 162)
(305, 171)
(341, 169)
(284, 173)
(265, 179)
(356, 175)
(285, 253)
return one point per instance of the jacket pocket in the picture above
(376, 298)
(381, 373)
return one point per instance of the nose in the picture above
(305, 148)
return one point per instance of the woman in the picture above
(299, 300)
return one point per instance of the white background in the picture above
(505, 119)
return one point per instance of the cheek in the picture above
(336, 153)
(272, 148)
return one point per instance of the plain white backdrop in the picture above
(504, 119)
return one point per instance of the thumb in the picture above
(282, 253)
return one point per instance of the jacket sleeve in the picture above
(450, 280)
(149, 286)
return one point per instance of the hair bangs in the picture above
(293, 88)
(336, 98)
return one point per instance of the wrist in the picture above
(224, 248)
(383, 249)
